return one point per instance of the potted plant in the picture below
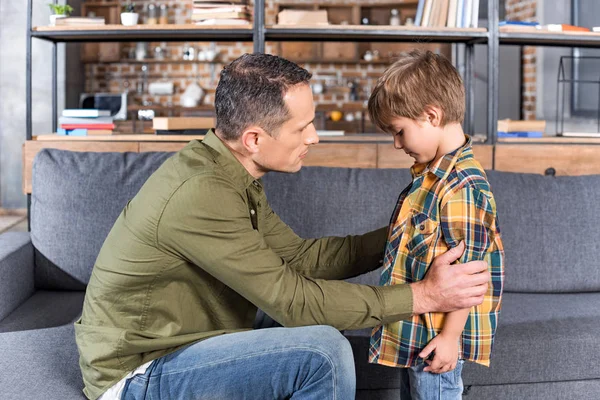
(128, 15)
(59, 11)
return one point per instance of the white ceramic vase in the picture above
(54, 17)
(129, 18)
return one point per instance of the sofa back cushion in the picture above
(550, 230)
(75, 201)
(549, 224)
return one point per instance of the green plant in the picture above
(59, 9)
(128, 8)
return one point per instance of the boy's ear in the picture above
(433, 115)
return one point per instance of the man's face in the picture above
(417, 138)
(286, 151)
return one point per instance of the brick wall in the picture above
(526, 10)
(120, 76)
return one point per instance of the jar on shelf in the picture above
(163, 19)
(394, 17)
(151, 19)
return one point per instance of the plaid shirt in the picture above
(447, 202)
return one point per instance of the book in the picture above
(581, 134)
(80, 120)
(475, 19)
(180, 123)
(220, 15)
(74, 21)
(331, 133)
(508, 125)
(452, 10)
(88, 126)
(85, 113)
(427, 12)
(71, 132)
(520, 134)
(193, 132)
(223, 21)
(459, 12)
(564, 28)
(419, 16)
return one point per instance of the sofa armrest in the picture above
(16, 271)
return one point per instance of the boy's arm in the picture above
(467, 216)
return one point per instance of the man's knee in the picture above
(334, 344)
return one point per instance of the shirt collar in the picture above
(223, 156)
(442, 167)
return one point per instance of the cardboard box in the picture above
(180, 123)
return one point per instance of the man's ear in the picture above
(433, 115)
(251, 138)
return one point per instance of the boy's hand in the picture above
(446, 354)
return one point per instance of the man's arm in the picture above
(325, 258)
(207, 223)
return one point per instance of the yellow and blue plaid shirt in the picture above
(447, 202)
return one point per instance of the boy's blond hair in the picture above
(416, 80)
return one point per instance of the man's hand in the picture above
(451, 287)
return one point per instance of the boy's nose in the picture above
(397, 143)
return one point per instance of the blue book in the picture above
(419, 16)
(523, 134)
(71, 132)
(521, 23)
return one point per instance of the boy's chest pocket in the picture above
(422, 232)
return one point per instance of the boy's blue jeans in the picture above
(313, 362)
(420, 385)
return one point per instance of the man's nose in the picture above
(311, 135)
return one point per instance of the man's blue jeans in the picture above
(420, 385)
(313, 362)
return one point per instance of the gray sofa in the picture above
(547, 343)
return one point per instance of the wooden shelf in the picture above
(152, 61)
(360, 138)
(158, 33)
(373, 33)
(536, 37)
(550, 139)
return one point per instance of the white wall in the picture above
(13, 25)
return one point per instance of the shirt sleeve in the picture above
(325, 258)
(206, 222)
(468, 216)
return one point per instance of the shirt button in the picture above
(255, 183)
(252, 212)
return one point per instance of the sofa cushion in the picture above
(550, 229)
(40, 364)
(75, 201)
(45, 309)
(540, 338)
(321, 201)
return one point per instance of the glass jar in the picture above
(164, 15)
(151, 18)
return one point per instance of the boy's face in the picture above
(420, 139)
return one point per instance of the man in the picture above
(175, 289)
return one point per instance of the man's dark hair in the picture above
(250, 92)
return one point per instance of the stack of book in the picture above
(79, 21)
(182, 125)
(84, 122)
(447, 13)
(508, 128)
(216, 12)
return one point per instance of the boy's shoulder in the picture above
(467, 174)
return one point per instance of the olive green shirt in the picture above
(194, 254)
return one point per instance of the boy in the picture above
(420, 99)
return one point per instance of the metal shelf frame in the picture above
(260, 33)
